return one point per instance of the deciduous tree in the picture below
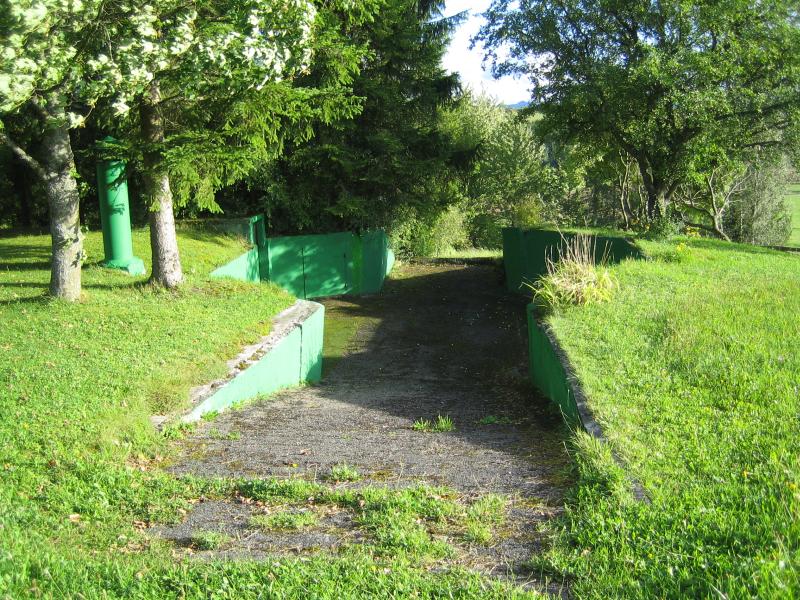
(666, 81)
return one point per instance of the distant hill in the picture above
(518, 105)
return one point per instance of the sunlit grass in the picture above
(81, 467)
(692, 368)
(471, 253)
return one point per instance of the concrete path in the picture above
(443, 339)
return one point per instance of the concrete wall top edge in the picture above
(282, 325)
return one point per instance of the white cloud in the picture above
(469, 63)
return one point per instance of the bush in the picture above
(574, 279)
(664, 227)
(416, 235)
(486, 231)
(528, 214)
(760, 214)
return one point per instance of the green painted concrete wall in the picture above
(312, 330)
(525, 252)
(377, 261)
(295, 359)
(314, 266)
(547, 371)
(243, 268)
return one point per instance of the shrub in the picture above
(760, 215)
(664, 227)
(527, 214)
(413, 234)
(486, 231)
(575, 278)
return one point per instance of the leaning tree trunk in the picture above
(58, 166)
(163, 239)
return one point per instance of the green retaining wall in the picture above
(525, 252)
(313, 266)
(244, 268)
(552, 372)
(292, 355)
(547, 369)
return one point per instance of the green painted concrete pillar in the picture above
(115, 216)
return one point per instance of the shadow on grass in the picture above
(720, 245)
(206, 233)
(20, 256)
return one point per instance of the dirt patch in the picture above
(443, 339)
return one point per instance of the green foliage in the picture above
(679, 90)
(394, 153)
(224, 124)
(431, 234)
(760, 214)
(692, 368)
(511, 181)
(663, 227)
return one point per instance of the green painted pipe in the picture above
(115, 217)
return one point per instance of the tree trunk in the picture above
(163, 239)
(58, 165)
(654, 202)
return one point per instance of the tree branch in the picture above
(23, 156)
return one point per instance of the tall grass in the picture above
(576, 276)
(693, 370)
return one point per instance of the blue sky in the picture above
(468, 63)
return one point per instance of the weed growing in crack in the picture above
(216, 434)
(488, 509)
(209, 540)
(177, 430)
(343, 472)
(441, 424)
(495, 420)
(478, 533)
(288, 520)
(486, 512)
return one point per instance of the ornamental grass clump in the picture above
(576, 278)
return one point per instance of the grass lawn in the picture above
(693, 369)
(794, 206)
(81, 468)
(471, 253)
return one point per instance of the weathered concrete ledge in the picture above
(553, 373)
(290, 355)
